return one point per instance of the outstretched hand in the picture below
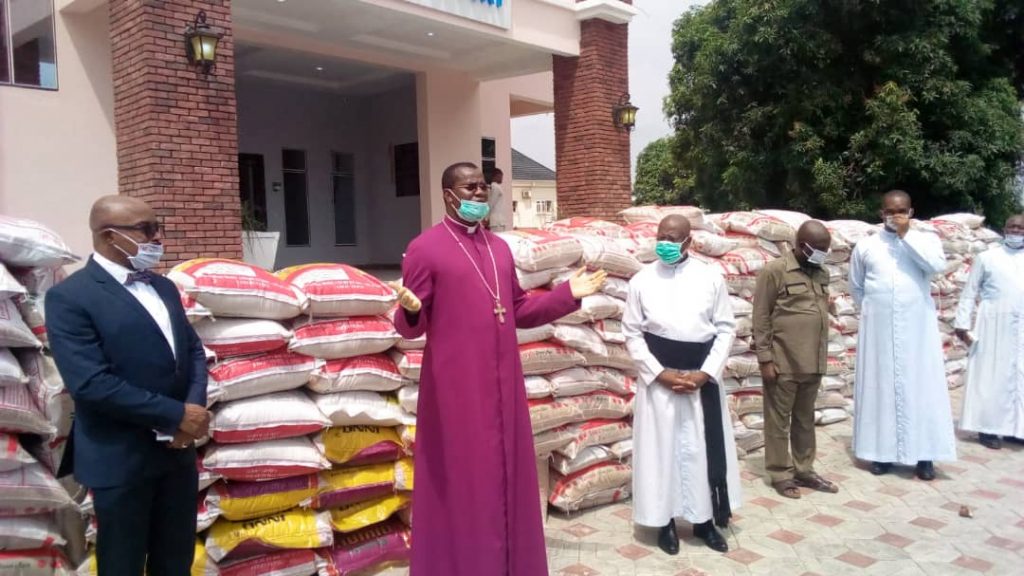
(406, 299)
(582, 284)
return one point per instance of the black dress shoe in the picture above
(668, 540)
(925, 470)
(879, 468)
(990, 441)
(1013, 439)
(713, 538)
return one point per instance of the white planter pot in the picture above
(260, 248)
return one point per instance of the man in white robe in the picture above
(901, 412)
(994, 397)
(681, 467)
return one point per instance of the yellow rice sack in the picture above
(346, 486)
(357, 445)
(238, 501)
(292, 530)
(363, 514)
(202, 565)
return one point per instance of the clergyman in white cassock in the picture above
(994, 397)
(901, 402)
(679, 301)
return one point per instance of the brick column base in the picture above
(177, 138)
(592, 155)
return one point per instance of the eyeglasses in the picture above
(149, 229)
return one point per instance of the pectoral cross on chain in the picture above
(499, 311)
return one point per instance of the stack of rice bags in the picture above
(579, 377)
(304, 465)
(39, 528)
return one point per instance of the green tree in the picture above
(820, 105)
(658, 178)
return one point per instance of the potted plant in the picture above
(259, 247)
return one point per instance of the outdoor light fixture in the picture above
(201, 43)
(624, 113)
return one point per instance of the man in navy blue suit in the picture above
(137, 373)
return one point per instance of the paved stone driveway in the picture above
(894, 525)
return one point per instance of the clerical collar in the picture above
(469, 229)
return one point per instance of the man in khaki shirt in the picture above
(791, 340)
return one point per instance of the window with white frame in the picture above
(544, 206)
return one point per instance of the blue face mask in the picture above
(1014, 241)
(669, 252)
(472, 211)
(146, 258)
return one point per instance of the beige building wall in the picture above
(536, 203)
(57, 147)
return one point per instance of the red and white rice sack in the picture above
(340, 290)
(548, 357)
(249, 376)
(536, 334)
(757, 224)
(409, 397)
(29, 532)
(655, 214)
(574, 381)
(45, 561)
(242, 337)
(19, 413)
(14, 333)
(409, 363)
(31, 489)
(590, 226)
(595, 432)
(375, 372)
(267, 417)
(608, 254)
(547, 414)
(232, 288)
(599, 484)
(615, 380)
(580, 337)
(535, 250)
(268, 460)
(11, 373)
(602, 405)
(343, 337)
(12, 455)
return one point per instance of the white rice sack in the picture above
(731, 384)
(270, 460)
(31, 489)
(573, 382)
(954, 381)
(48, 390)
(655, 214)
(742, 366)
(615, 380)
(842, 305)
(741, 307)
(409, 397)
(831, 383)
(12, 455)
(752, 383)
(712, 244)
(602, 405)
(587, 457)
(986, 235)
(535, 250)
(740, 346)
(836, 348)
(748, 261)
(970, 221)
(9, 286)
(610, 330)
(594, 433)
(236, 289)
(375, 372)
(409, 363)
(616, 287)
(537, 334)
(25, 243)
(744, 327)
(548, 413)
(548, 357)
(538, 387)
(242, 337)
(606, 254)
(362, 408)
(753, 421)
(19, 413)
(579, 337)
(10, 371)
(741, 285)
(249, 376)
(29, 532)
(758, 224)
(832, 415)
(538, 279)
(618, 357)
(544, 443)
(268, 417)
(339, 290)
(851, 231)
(343, 337)
(956, 366)
(37, 281)
(14, 333)
(794, 219)
(845, 324)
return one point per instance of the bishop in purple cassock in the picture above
(475, 508)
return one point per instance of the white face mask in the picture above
(148, 255)
(814, 257)
(1014, 241)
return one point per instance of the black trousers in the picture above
(149, 527)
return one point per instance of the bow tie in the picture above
(145, 277)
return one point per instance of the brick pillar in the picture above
(592, 155)
(177, 138)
